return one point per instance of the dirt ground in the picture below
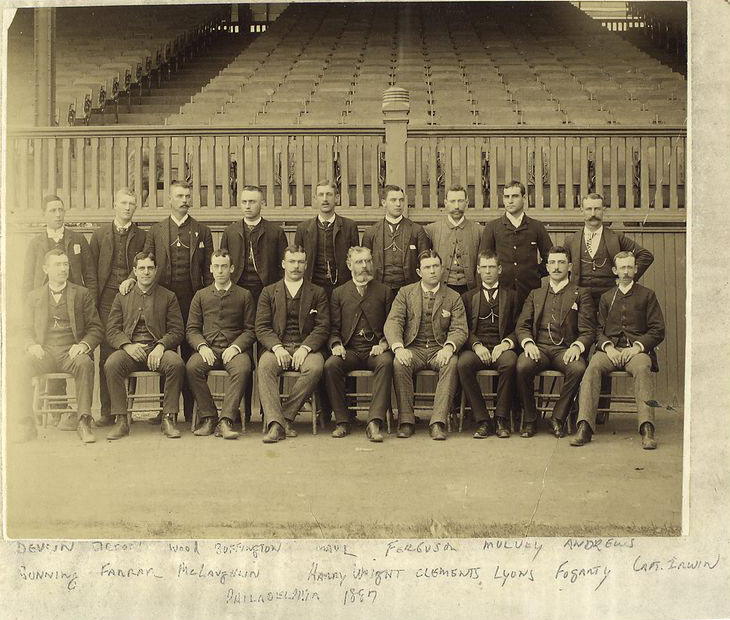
(148, 486)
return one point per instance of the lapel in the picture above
(474, 302)
(238, 228)
(417, 299)
(194, 235)
(310, 243)
(501, 303)
(336, 227)
(570, 296)
(68, 243)
(539, 301)
(405, 238)
(165, 232)
(576, 250)
(305, 305)
(41, 317)
(70, 298)
(438, 301)
(279, 317)
(610, 238)
(132, 233)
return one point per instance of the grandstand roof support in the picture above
(396, 106)
(44, 65)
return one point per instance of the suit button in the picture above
(514, 247)
(515, 264)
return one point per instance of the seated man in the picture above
(358, 310)
(292, 325)
(557, 313)
(426, 327)
(631, 324)
(491, 313)
(62, 329)
(220, 330)
(145, 327)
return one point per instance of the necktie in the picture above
(361, 290)
(491, 293)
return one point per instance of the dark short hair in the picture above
(252, 188)
(294, 249)
(488, 255)
(48, 200)
(142, 256)
(624, 254)
(53, 252)
(428, 254)
(515, 184)
(390, 188)
(560, 249)
(221, 253)
(591, 196)
(456, 188)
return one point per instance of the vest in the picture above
(292, 335)
(120, 269)
(324, 272)
(393, 250)
(487, 331)
(59, 333)
(180, 253)
(141, 334)
(363, 338)
(596, 272)
(425, 337)
(249, 277)
(226, 311)
(456, 273)
(549, 332)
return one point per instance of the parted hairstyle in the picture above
(327, 183)
(488, 255)
(48, 200)
(294, 249)
(222, 253)
(560, 249)
(355, 249)
(591, 196)
(252, 188)
(428, 254)
(53, 252)
(142, 256)
(456, 188)
(624, 254)
(390, 188)
(515, 184)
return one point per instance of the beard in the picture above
(363, 278)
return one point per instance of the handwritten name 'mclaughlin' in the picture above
(218, 574)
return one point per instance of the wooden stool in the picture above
(365, 396)
(427, 395)
(43, 401)
(616, 399)
(220, 379)
(283, 395)
(151, 400)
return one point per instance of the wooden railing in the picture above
(640, 171)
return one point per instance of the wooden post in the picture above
(396, 106)
(44, 61)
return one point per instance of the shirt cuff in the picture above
(580, 345)
(509, 343)
(396, 345)
(335, 344)
(235, 346)
(202, 344)
(640, 345)
(88, 348)
(451, 343)
(277, 346)
(306, 348)
(526, 341)
(474, 345)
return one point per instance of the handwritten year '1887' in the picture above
(354, 595)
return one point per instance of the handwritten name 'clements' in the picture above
(396, 546)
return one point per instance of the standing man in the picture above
(292, 325)
(62, 329)
(395, 241)
(182, 247)
(326, 238)
(113, 248)
(457, 240)
(255, 244)
(491, 313)
(221, 330)
(426, 327)
(358, 311)
(145, 327)
(518, 240)
(631, 325)
(555, 329)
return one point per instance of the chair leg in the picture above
(462, 406)
(194, 421)
(388, 420)
(315, 412)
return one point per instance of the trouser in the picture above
(551, 357)
(239, 373)
(56, 359)
(185, 298)
(268, 372)
(105, 350)
(335, 374)
(469, 364)
(120, 365)
(445, 388)
(639, 367)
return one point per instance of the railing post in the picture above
(396, 106)
(44, 65)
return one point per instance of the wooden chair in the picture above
(360, 401)
(616, 402)
(316, 416)
(149, 400)
(43, 402)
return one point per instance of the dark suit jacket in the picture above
(579, 322)
(443, 240)
(268, 250)
(82, 270)
(344, 307)
(638, 316)
(164, 322)
(85, 322)
(530, 238)
(416, 241)
(615, 242)
(201, 250)
(344, 236)
(448, 317)
(238, 327)
(314, 315)
(102, 250)
(509, 312)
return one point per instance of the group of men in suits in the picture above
(453, 297)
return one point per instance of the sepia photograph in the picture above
(345, 270)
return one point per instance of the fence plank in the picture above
(124, 160)
(211, 172)
(268, 148)
(182, 174)
(240, 158)
(81, 172)
(673, 191)
(344, 156)
(359, 172)
(314, 156)
(166, 167)
(433, 173)
(446, 164)
(508, 167)
(661, 144)
(478, 174)
(522, 145)
(52, 165)
(23, 188)
(300, 171)
(569, 189)
(464, 161)
(138, 170)
(555, 145)
(285, 199)
(225, 146)
(152, 172)
(601, 145)
(493, 171)
(108, 172)
(644, 180)
(195, 170)
(539, 165)
(66, 171)
(374, 170)
(584, 146)
(614, 146)
(95, 184)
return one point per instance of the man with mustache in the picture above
(631, 325)
(457, 238)
(358, 311)
(555, 329)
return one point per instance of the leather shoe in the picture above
(156, 420)
(502, 431)
(206, 428)
(528, 430)
(275, 433)
(556, 427)
(484, 430)
(341, 430)
(289, 429)
(69, 422)
(225, 429)
(437, 431)
(647, 436)
(583, 434)
(120, 429)
(372, 431)
(168, 428)
(405, 430)
(105, 420)
(84, 429)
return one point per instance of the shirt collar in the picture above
(490, 288)
(225, 288)
(252, 224)
(141, 292)
(594, 234)
(63, 288)
(559, 287)
(293, 287)
(394, 221)
(324, 221)
(434, 291)
(180, 222)
(122, 228)
(627, 288)
(516, 221)
(453, 224)
(56, 235)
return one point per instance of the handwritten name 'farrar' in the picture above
(107, 570)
